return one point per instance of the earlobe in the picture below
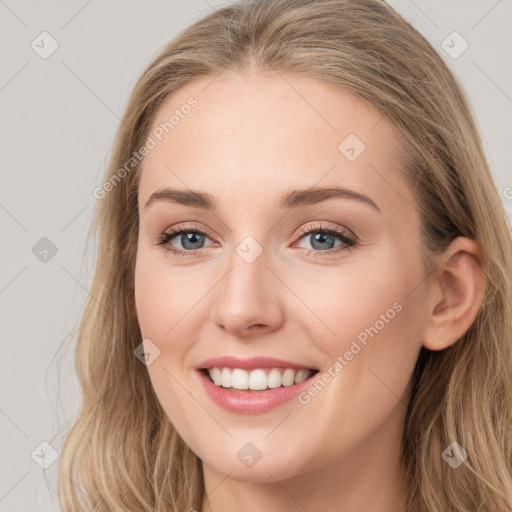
(458, 293)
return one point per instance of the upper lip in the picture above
(250, 363)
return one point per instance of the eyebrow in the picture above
(291, 199)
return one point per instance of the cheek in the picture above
(151, 298)
(348, 303)
(373, 353)
(370, 321)
(162, 309)
(164, 298)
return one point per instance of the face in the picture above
(311, 301)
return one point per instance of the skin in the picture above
(249, 140)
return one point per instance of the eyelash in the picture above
(349, 240)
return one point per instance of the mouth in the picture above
(255, 385)
(258, 379)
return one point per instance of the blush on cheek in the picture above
(157, 304)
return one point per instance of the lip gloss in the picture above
(249, 401)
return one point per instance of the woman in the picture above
(302, 295)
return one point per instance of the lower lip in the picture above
(251, 402)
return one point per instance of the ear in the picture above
(457, 294)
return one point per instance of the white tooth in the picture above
(239, 379)
(274, 378)
(288, 377)
(301, 375)
(257, 380)
(226, 378)
(216, 376)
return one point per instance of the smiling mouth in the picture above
(258, 379)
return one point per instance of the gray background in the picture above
(59, 117)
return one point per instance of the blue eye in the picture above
(191, 241)
(322, 239)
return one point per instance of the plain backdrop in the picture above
(59, 114)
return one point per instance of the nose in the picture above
(247, 300)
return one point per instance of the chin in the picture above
(242, 462)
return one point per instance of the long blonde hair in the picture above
(122, 452)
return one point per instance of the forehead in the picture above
(251, 137)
